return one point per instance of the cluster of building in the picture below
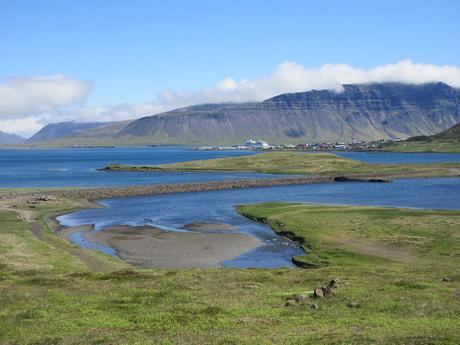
(248, 145)
(328, 146)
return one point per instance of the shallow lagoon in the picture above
(173, 211)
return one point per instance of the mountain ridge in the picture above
(361, 112)
(365, 111)
(10, 138)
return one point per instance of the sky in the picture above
(114, 60)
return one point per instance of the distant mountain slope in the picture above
(367, 112)
(446, 141)
(8, 138)
(60, 130)
(452, 133)
(107, 129)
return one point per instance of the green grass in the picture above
(21, 251)
(48, 296)
(298, 163)
(434, 145)
(345, 235)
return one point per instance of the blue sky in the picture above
(132, 51)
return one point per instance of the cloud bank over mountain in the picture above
(28, 102)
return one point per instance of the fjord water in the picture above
(76, 167)
(173, 211)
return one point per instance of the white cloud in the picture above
(25, 127)
(292, 77)
(25, 96)
(107, 113)
(59, 98)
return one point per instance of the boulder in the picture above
(318, 292)
(326, 291)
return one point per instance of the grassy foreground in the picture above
(298, 163)
(390, 263)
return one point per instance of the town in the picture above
(259, 144)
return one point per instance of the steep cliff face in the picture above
(371, 111)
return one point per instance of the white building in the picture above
(259, 144)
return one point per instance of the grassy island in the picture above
(300, 163)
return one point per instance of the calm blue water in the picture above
(175, 210)
(77, 167)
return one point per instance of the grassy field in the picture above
(437, 145)
(298, 163)
(390, 263)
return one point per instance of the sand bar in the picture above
(151, 247)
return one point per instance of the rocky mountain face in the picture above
(8, 138)
(60, 130)
(366, 112)
(361, 112)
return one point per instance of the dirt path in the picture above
(94, 263)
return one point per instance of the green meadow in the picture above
(390, 264)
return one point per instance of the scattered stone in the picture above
(353, 305)
(318, 292)
(289, 303)
(333, 283)
(445, 280)
(326, 291)
(314, 306)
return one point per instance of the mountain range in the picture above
(359, 111)
(8, 138)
